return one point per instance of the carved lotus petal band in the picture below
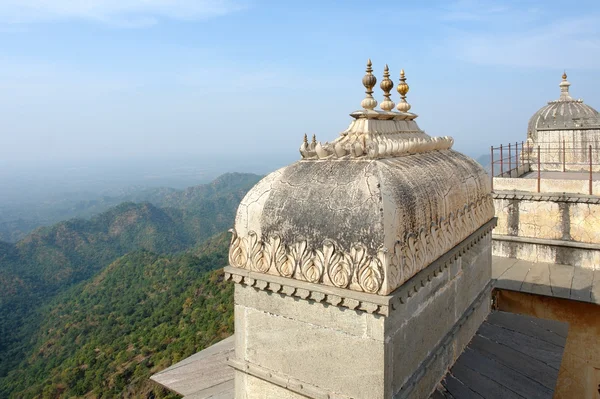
(355, 268)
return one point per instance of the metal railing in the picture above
(514, 160)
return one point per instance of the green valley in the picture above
(77, 298)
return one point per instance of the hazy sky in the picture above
(117, 79)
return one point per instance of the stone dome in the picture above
(365, 212)
(564, 113)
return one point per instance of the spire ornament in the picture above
(386, 85)
(369, 81)
(403, 88)
(564, 88)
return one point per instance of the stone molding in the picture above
(375, 146)
(354, 300)
(565, 197)
(355, 268)
(286, 382)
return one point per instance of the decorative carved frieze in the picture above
(359, 301)
(355, 268)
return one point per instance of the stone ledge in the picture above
(359, 301)
(545, 241)
(554, 197)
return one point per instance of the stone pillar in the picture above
(296, 339)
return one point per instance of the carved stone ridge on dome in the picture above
(358, 301)
(377, 134)
(355, 268)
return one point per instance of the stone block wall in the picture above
(548, 228)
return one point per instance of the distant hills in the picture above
(45, 269)
(16, 221)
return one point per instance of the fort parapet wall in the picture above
(547, 227)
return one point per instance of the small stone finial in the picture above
(305, 139)
(369, 81)
(386, 85)
(564, 88)
(314, 139)
(403, 88)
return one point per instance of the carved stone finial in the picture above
(314, 139)
(564, 88)
(305, 139)
(369, 81)
(403, 88)
(387, 85)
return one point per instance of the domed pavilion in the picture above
(564, 129)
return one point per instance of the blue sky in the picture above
(132, 79)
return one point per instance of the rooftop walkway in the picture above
(549, 174)
(510, 356)
(549, 279)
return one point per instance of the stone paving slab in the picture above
(205, 374)
(555, 280)
(537, 280)
(501, 265)
(561, 277)
(581, 287)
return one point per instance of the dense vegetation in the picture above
(37, 272)
(104, 338)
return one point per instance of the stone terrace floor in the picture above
(549, 279)
(510, 356)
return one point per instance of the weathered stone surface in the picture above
(377, 222)
(313, 353)
(439, 310)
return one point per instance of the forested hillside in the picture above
(105, 337)
(50, 260)
(18, 220)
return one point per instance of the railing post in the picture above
(517, 157)
(538, 167)
(590, 156)
(492, 157)
(501, 161)
(529, 154)
(564, 152)
(509, 161)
